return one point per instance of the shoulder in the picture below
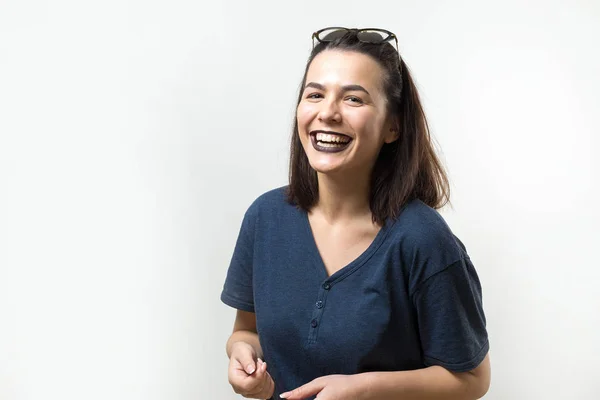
(426, 242)
(269, 203)
(421, 224)
(271, 215)
(270, 199)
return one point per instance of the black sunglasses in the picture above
(367, 35)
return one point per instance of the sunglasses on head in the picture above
(367, 35)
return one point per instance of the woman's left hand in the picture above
(332, 387)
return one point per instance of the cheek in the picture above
(363, 122)
(304, 116)
(303, 111)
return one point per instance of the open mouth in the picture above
(329, 142)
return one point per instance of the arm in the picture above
(244, 330)
(433, 383)
(248, 374)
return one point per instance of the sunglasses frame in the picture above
(390, 36)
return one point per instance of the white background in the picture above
(134, 135)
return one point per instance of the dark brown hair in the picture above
(405, 169)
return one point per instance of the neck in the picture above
(342, 198)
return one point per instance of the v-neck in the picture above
(354, 264)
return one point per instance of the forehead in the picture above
(345, 67)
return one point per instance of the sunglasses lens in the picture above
(372, 36)
(330, 35)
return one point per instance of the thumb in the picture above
(247, 362)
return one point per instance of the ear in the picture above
(391, 133)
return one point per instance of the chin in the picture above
(324, 168)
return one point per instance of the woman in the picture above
(348, 283)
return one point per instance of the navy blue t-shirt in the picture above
(411, 300)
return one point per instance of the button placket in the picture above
(318, 309)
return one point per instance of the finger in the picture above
(267, 389)
(262, 375)
(257, 369)
(270, 387)
(247, 362)
(247, 384)
(310, 389)
(251, 386)
(237, 374)
(259, 381)
(255, 391)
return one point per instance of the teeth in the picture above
(326, 137)
(331, 144)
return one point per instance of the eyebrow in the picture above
(346, 88)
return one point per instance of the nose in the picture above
(329, 112)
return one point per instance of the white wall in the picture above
(133, 135)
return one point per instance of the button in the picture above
(319, 304)
(326, 286)
(314, 323)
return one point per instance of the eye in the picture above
(354, 99)
(314, 96)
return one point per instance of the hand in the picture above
(248, 374)
(332, 387)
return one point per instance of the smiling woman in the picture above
(348, 283)
(357, 111)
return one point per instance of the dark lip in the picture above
(334, 132)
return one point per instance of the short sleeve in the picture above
(237, 290)
(452, 324)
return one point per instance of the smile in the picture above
(329, 142)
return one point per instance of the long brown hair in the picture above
(405, 169)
